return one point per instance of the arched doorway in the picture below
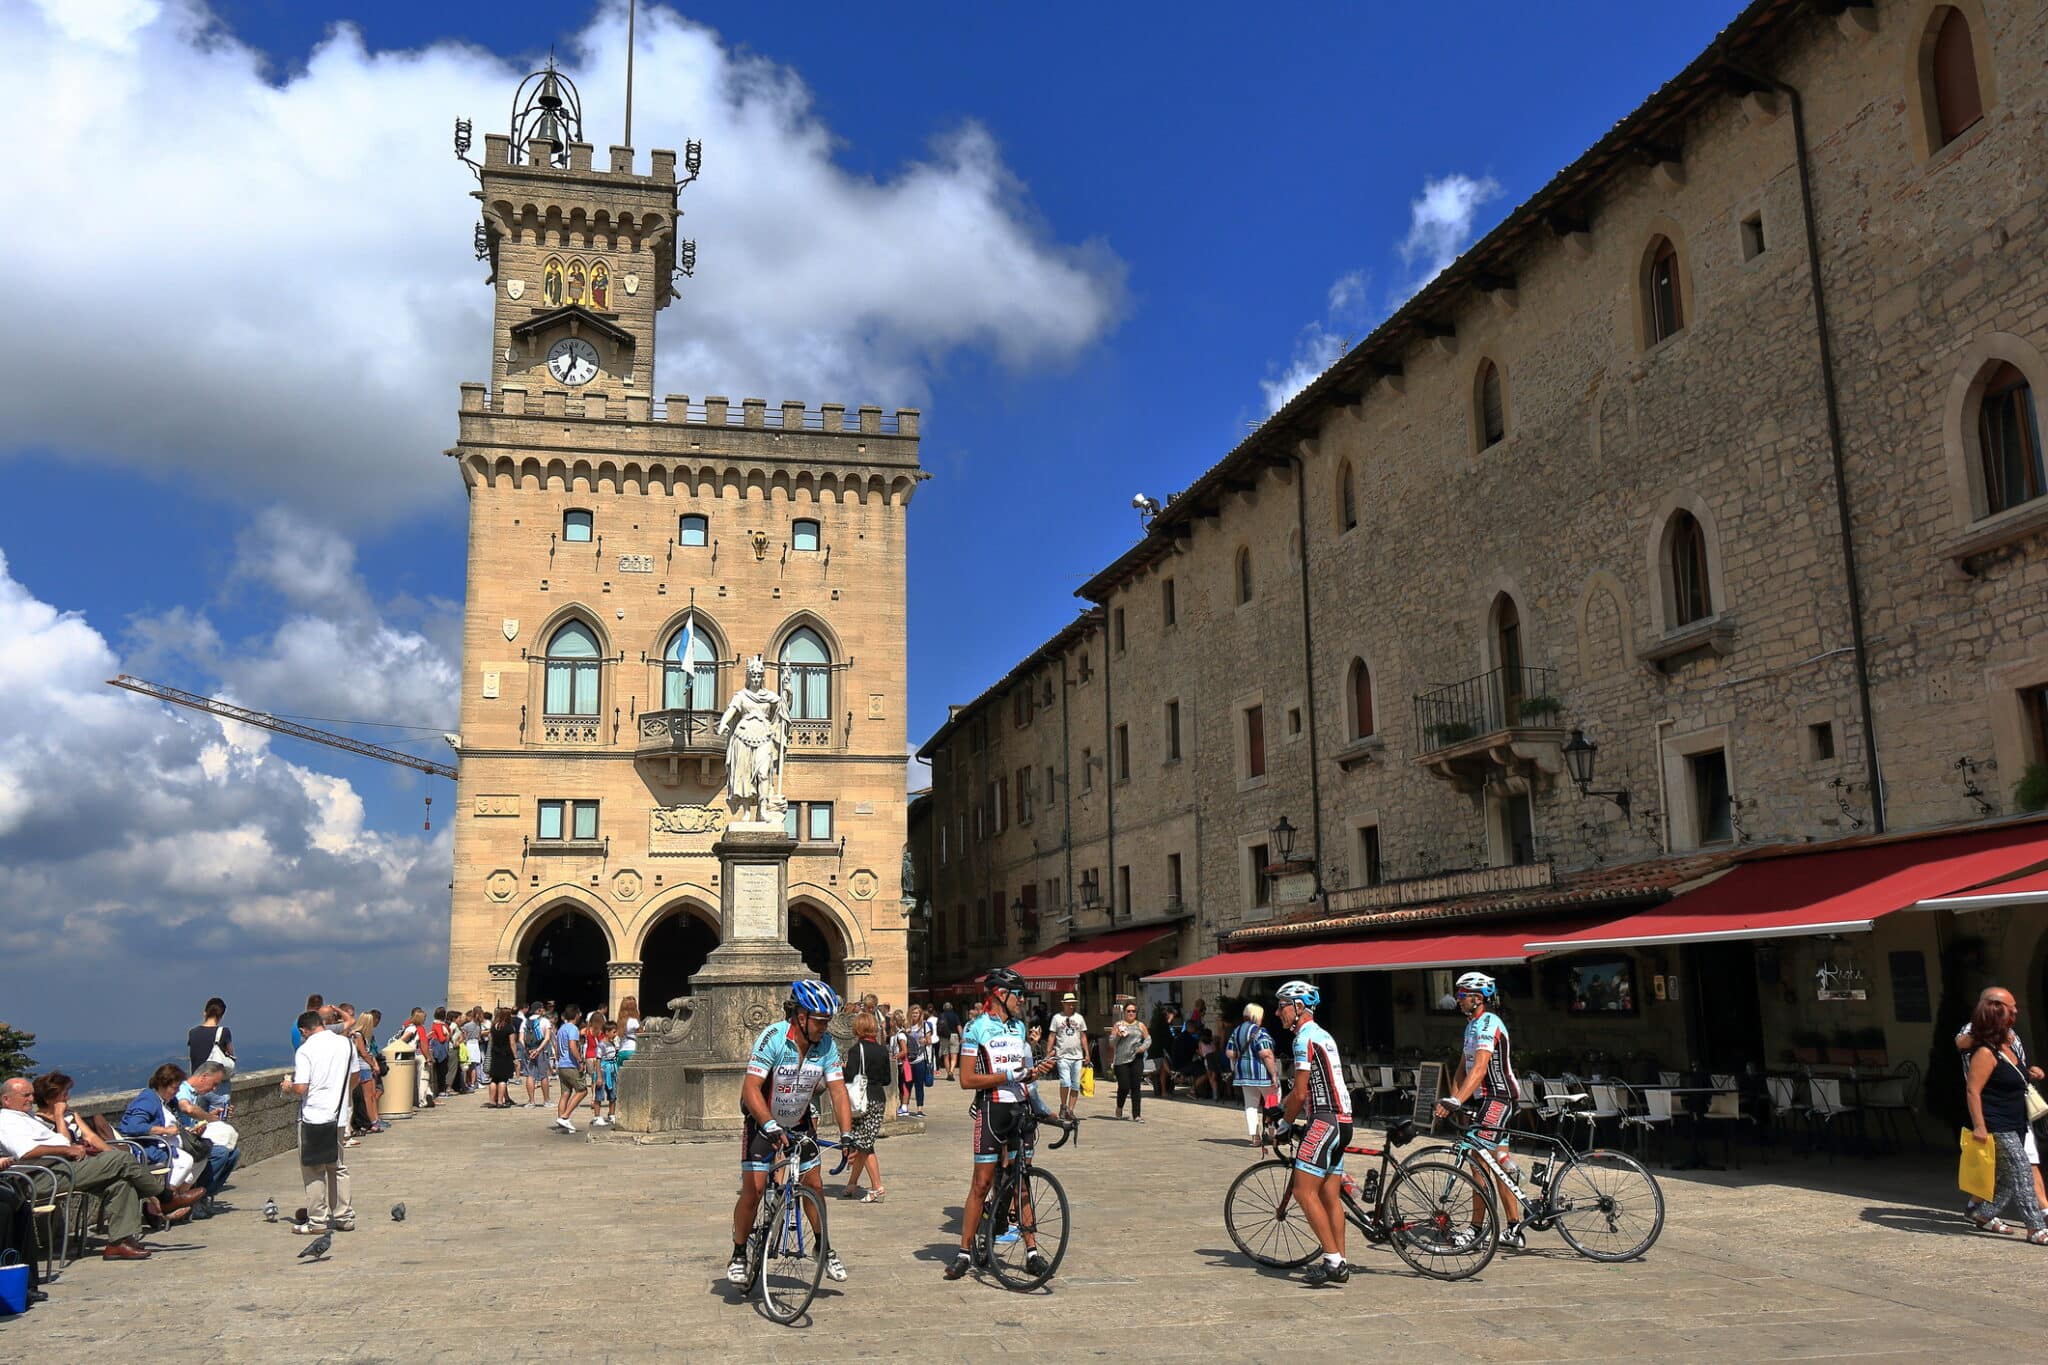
(674, 952)
(813, 934)
(565, 962)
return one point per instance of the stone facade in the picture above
(584, 507)
(1376, 522)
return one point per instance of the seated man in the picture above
(197, 1111)
(117, 1176)
(1218, 1061)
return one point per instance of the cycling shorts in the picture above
(997, 1126)
(1493, 1117)
(757, 1149)
(1321, 1149)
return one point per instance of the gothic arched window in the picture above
(1244, 575)
(690, 684)
(1958, 99)
(572, 667)
(807, 675)
(1686, 544)
(1362, 724)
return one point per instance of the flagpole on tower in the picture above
(631, 7)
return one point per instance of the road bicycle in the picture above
(786, 1249)
(1604, 1203)
(1437, 1217)
(1034, 1212)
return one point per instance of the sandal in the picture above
(1992, 1225)
(876, 1196)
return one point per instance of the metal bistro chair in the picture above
(1390, 1085)
(1787, 1109)
(1829, 1111)
(50, 1198)
(1725, 1112)
(1893, 1095)
(1601, 1105)
(1646, 1111)
(1668, 1078)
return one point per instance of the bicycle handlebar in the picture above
(1069, 1128)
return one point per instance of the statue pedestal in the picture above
(685, 1074)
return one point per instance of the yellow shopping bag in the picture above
(1087, 1082)
(1977, 1173)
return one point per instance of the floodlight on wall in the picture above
(1579, 753)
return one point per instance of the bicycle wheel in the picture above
(1606, 1206)
(1031, 1219)
(1442, 1220)
(792, 1254)
(1263, 1219)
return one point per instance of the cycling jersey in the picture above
(1001, 1046)
(1328, 1095)
(1485, 1032)
(793, 1076)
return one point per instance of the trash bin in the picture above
(401, 1082)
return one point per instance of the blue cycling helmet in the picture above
(1480, 982)
(814, 997)
(1300, 993)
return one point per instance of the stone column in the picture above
(625, 978)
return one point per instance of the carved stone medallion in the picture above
(632, 283)
(862, 885)
(514, 289)
(755, 1017)
(500, 885)
(511, 628)
(626, 886)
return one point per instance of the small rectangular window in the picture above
(1371, 871)
(694, 530)
(1087, 770)
(795, 813)
(820, 821)
(1173, 732)
(1086, 672)
(2034, 720)
(1123, 753)
(576, 526)
(585, 820)
(1710, 796)
(803, 536)
(1294, 720)
(942, 845)
(1262, 885)
(1117, 618)
(1752, 236)
(1255, 741)
(1168, 607)
(1519, 822)
(1820, 741)
(1173, 881)
(551, 819)
(1050, 777)
(1123, 889)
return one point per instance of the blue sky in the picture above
(1185, 207)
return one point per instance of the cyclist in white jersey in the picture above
(995, 1063)
(1486, 1079)
(789, 1062)
(1318, 1088)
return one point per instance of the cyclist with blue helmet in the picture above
(1486, 1080)
(1319, 1089)
(789, 1062)
(996, 1065)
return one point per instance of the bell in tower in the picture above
(546, 108)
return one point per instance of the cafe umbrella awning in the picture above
(1059, 968)
(1491, 945)
(1832, 891)
(2030, 889)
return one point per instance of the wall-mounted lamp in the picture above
(1579, 753)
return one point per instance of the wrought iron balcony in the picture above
(1505, 719)
(665, 733)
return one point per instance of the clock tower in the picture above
(629, 554)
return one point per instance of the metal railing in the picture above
(1498, 699)
(679, 732)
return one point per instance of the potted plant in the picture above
(2030, 793)
(1808, 1046)
(1541, 707)
(1449, 731)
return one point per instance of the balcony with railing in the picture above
(1505, 721)
(679, 731)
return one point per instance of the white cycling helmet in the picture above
(1300, 993)
(1480, 982)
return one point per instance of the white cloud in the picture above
(280, 272)
(1318, 345)
(138, 849)
(1440, 223)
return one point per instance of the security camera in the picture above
(454, 741)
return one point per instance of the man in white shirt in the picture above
(117, 1176)
(1070, 1050)
(320, 1075)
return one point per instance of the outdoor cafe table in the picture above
(1698, 1160)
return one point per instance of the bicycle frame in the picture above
(786, 1173)
(1566, 1155)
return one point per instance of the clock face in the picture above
(573, 360)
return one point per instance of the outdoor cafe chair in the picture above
(1888, 1097)
(1647, 1112)
(1389, 1085)
(49, 1184)
(1668, 1078)
(1725, 1112)
(1828, 1111)
(1599, 1106)
(1787, 1107)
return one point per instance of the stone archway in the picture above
(673, 953)
(815, 935)
(565, 959)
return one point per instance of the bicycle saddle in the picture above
(1401, 1134)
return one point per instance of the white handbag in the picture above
(219, 1058)
(857, 1092)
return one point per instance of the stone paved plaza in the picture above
(523, 1244)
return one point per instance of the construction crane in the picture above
(213, 706)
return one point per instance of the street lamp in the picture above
(1579, 753)
(1283, 841)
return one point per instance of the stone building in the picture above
(1719, 455)
(627, 556)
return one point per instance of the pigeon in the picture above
(398, 1213)
(270, 1210)
(316, 1250)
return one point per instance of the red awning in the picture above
(1057, 969)
(1476, 947)
(1843, 891)
(2031, 889)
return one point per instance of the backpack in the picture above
(533, 1032)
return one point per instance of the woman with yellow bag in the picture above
(2000, 1098)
